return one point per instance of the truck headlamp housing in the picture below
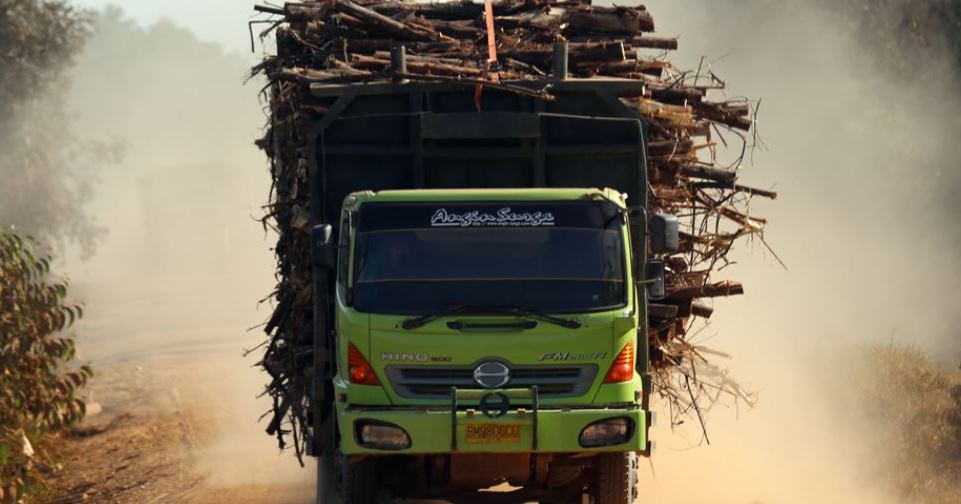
(613, 431)
(382, 436)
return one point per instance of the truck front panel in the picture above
(447, 332)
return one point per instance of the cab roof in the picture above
(521, 194)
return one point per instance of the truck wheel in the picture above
(341, 483)
(360, 482)
(327, 481)
(615, 480)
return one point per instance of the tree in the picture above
(48, 173)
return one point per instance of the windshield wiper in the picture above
(543, 317)
(414, 323)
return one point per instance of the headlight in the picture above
(382, 436)
(607, 432)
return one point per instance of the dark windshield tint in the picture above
(554, 257)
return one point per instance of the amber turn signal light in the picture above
(622, 369)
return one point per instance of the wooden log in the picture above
(755, 223)
(391, 26)
(676, 94)
(346, 22)
(580, 54)
(652, 42)
(702, 310)
(448, 11)
(669, 147)
(751, 191)
(742, 109)
(532, 21)
(717, 112)
(369, 62)
(309, 75)
(706, 172)
(608, 20)
(428, 68)
(370, 45)
(524, 67)
(422, 58)
(269, 9)
(646, 67)
(456, 29)
(416, 66)
(694, 170)
(597, 51)
(646, 76)
(661, 311)
(632, 42)
(711, 290)
(298, 11)
(457, 10)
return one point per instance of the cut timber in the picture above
(662, 311)
(388, 25)
(719, 289)
(609, 20)
(702, 310)
(633, 42)
(593, 55)
(694, 170)
(652, 42)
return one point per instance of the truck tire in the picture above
(327, 481)
(615, 480)
(341, 483)
(360, 482)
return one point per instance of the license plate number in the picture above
(493, 433)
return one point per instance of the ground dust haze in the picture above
(862, 160)
(176, 282)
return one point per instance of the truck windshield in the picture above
(558, 257)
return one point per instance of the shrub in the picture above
(37, 389)
(918, 404)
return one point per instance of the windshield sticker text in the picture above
(503, 217)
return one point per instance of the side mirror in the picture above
(323, 249)
(656, 288)
(665, 234)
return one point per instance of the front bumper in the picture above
(439, 430)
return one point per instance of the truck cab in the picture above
(488, 336)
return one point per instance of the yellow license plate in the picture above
(493, 433)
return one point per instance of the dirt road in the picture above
(155, 443)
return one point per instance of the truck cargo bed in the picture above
(431, 135)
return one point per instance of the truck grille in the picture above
(434, 382)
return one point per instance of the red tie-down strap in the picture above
(490, 67)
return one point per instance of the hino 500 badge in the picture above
(503, 217)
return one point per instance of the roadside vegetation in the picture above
(48, 170)
(38, 381)
(917, 403)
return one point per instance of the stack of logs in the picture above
(350, 41)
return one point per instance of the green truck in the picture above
(481, 289)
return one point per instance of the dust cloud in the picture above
(865, 162)
(176, 282)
